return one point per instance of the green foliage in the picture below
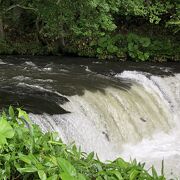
(106, 29)
(105, 45)
(23, 48)
(6, 131)
(137, 47)
(174, 21)
(152, 10)
(27, 153)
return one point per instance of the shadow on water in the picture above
(39, 84)
(100, 66)
(36, 102)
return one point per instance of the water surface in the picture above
(116, 109)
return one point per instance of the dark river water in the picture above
(116, 109)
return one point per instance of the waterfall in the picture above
(141, 122)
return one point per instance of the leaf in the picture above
(145, 41)
(162, 168)
(99, 178)
(42, 175)
(81, 177)
(112, 48)
(27, 169)
(54, 177)
(7, 168)
(65, 176)
(11, 112)
(66, 166)
(29, 159)
(132, 54)
(122, 163)
(154, 173)
(117, 174)
(98, 166)
(90, 156)
(133, 175)
(23, 114)
(103, 41)
(2, 140)
(25, 159)
(99, 51)
(6, 131)
(130, 46)
(146, 56)
(93, 43)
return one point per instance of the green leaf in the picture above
(93, 43)
(154, 173)
(130, 46)
(99, 50)
(11, 112)
(145, 41)
(122, 163)
(81, 177)
(90, 156)
(141, 56)
(6, 131)
(54, 177)
(146, 55)
(133, 175)
(42, 175)
(103, 41)
(117, 174)
(7, 168)
(66, 166)
(132, 54)
(112, 49)
(27, 169)
(23, 114)
(29, 159)
(25, 159)
(66, 176)
(99, 178)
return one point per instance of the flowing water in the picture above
(115, 109)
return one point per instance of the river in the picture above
(125, 109)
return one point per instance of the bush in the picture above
(93, 28)
(27, 153)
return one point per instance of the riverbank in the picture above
(121, 30)
(131, 47)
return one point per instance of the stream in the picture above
(125, 109)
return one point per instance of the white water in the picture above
(142, 122)
(2, 62)
(163, 145)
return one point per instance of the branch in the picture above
(22, 7)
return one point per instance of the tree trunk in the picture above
(1, 29)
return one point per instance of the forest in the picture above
(138, 30)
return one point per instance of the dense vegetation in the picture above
(27, 153)
(121, 29)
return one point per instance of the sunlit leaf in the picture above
(66, 166)
(6, 131)
(42, 175)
